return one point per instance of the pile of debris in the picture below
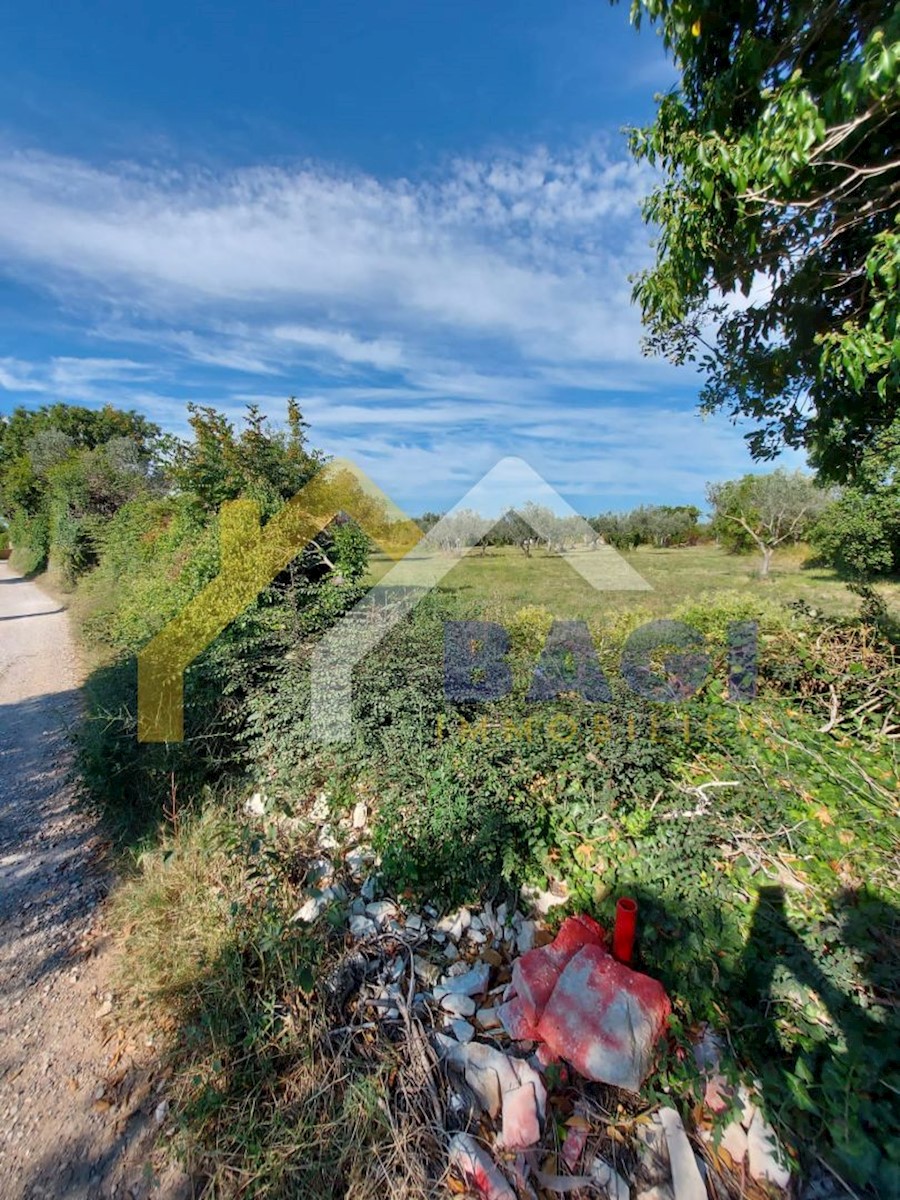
(539, 1044)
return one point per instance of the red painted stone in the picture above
(604, 1018)
(515, 1020)
(536, 973)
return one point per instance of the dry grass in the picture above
(278, 1090)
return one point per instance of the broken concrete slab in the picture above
(687, 1181)
(514, 1018)
(536, 973)
(653, 1151)
(765, 1156)
(605, 1019)
(500, 1083)
(478, 1170)
(524, 1107)
(734, 1141)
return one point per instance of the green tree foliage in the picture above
(259, 463)
(781, 183)
(650, 524)
(765, 511)
(63, 471)
(860, 533)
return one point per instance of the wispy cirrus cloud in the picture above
(428, 327)
(531, 249)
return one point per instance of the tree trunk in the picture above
(767, 552)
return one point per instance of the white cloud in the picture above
(71, 378)
(376, 352)
(533, 249)
(428, 328)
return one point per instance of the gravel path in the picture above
(77, 1104)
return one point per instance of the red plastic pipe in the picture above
(624, 929)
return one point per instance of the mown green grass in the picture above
(504, 580)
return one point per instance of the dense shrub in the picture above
(860, 534)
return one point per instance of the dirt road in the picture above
(76, 1110)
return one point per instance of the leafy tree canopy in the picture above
(860, 533)
(781, 184)
(263, 464)
(765, 511)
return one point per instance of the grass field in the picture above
(505, 580)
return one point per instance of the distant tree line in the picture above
(533, 526)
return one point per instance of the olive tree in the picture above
(769, 510)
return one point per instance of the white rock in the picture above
(686, 1178)
(358, 907)
(462, 1030)
(766, 1159)
(734, 1140)
(608, 1178)
(381, 911)
(255, 806)
(415, 923)
(455, 924)
(468, 983)
(362, 927)
(458, 968)
(459, 1006)
(525, 937)
(451, 953)
(542, 902)
(368, 889)
(476, 936)
(310, 910)
(162, 1111)
(360, 815)
(487, 1018)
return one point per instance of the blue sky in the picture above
(417, 217)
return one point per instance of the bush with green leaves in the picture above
(860, 534)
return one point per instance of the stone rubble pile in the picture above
(516, 1014)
